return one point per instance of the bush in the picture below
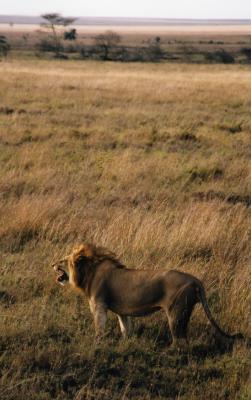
(90, 52)
(45, 45)
(220, 56)
(71, 48)
(61, 56)
(246, 51)
(70, 35)
(154, 52)
(4, 46)
(106, 43)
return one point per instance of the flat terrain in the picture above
(146, 29)
(194, 43)
(152, 161)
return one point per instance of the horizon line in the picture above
(128, 17)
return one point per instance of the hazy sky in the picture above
(132, 8)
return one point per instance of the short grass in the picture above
(153, 162)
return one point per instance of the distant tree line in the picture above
(106, 46)
(61, 40)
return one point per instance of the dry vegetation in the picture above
(189, 44)
(152, 161)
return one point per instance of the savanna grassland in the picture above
(152, 161)
(134, 43)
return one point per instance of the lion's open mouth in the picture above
(62, 277)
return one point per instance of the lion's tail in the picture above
(203, 300)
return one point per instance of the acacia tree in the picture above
(106, 41)
(53, 21)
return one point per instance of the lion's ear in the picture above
(84, 250)
(87, 251)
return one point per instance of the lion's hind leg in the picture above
(125, 325)
(179, 314)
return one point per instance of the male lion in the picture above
(109, 285)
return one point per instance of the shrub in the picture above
(220, 56)
(70, 35)
(154, 52)
(106, 42)
(4, 46)
(45, 45)
(246, 51)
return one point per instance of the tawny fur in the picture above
(109, 285)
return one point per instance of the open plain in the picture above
(152, 161)
(179, 41)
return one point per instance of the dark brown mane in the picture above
(95, 253)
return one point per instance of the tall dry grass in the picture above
(151, 161)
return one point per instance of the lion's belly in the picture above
(134, 311)
(135, 297)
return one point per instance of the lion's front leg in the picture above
(99, 313)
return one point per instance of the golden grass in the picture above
(152, 161)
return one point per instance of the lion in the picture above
(127, 292)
